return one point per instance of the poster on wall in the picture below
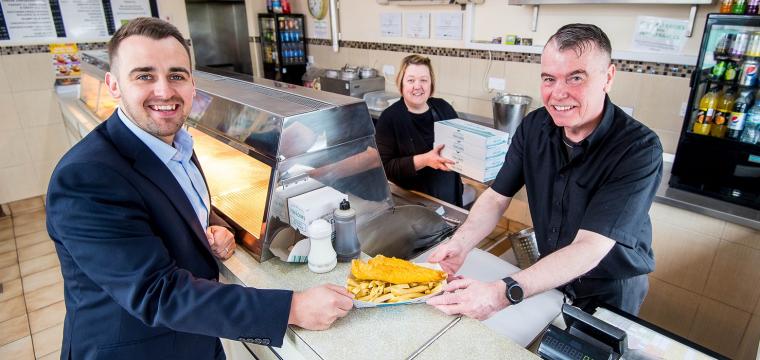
(448, 25)
(417, 25)
(390, 24)
(84, 18)
(125, 10)
(321, 29)
(66, 64)
(28, 19)
(656, 34)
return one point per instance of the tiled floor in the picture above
(31, 301)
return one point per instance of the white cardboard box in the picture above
(315, 204)
(478, 151)
(468, 132)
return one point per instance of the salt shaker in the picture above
(346, 243)
(322, 257)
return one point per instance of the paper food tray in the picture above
(365, 304)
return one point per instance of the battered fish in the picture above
(393, 270)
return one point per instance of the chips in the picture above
(385, 292)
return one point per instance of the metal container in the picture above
(525, 247)
(508, 111)
(367, 72)
(332, 74)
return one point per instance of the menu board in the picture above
(52, 20)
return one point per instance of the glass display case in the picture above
(93, 91)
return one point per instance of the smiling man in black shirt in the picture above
(590, 171)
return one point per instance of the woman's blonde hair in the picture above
(415, 60)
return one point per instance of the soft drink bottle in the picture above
(739, 7)
(751, 133)
(706, 112)
(739, 114)
(725, 6)
(752, 7)
(723, 113)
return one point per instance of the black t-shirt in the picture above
(605, 186)
(423, 123)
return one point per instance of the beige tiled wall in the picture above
(32, 136)
(656, 99)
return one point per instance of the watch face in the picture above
(515, 293)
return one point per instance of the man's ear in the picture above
(611, 70)
(113, 85)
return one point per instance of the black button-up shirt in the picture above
(605, 186)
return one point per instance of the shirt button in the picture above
(555, 229)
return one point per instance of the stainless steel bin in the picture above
(508, 111)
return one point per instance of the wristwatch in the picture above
(514, 292)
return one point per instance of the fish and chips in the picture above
(383, 280)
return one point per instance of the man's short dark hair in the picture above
(581, 38)
(151, 27)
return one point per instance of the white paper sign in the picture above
(83, 18)
(448, 25)
(658, 34)
(28, 19)
(417, 25)
(321, 29)
(390, 24)
(125, 10)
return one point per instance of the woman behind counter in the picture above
(404, 135)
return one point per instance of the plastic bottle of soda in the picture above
(751, 133)
(739, 114)
(752, 7)
(706, 112)
(723, 112)
(739, 7)
(725, 6)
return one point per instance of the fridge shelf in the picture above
(712, 140)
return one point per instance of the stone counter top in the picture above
(394, 332)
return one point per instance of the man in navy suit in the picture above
(129, 212)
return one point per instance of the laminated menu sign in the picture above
(28, 19)
(658, 34)
(65, 59)
(84, 18)
(125, 10)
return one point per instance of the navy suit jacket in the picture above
(140, 280)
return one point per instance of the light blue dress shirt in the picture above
(177, 160)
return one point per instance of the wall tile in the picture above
(18, 350)
(688, 220)
(719, 327)
(28, 71)
(47, 317)
(734, 276)
(480, 107)
(452, 75)
(5, 86)
(524, 79)
(459, 103)
(45, 169)
(669, 307)
(47, 142)
(13, 151)
(19, 182)
(14, 329)
(682, 257)
(669, 140)
(660, 99)
(9, 120)
(37, 108)
(741, 235)
(12, 308)
(626, 89)
(480, 71)
(748, 349)
(358, 57)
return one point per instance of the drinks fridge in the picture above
(719, 148)
(283, 47)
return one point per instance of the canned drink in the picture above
(739, 47)
(753, 49)
(749, 73)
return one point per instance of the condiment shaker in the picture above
(346, 243)
(321, 254)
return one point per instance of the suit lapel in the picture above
(147, 163)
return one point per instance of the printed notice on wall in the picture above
(417, 25)
(390, 24)
(125, 10)
(448, 25)
(658, 34)
(321, 29)
(84, 18)
(28, 19)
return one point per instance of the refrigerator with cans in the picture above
(283, 47)
(718, 152)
